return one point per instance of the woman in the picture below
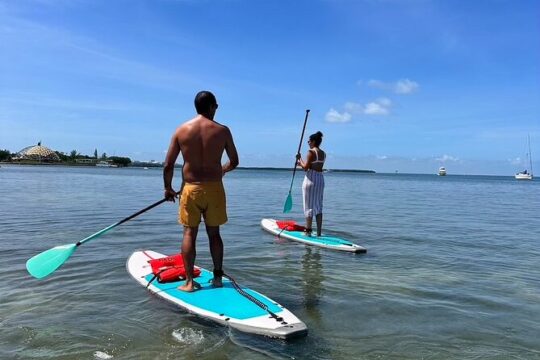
(313, 185)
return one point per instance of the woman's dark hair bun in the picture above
(316, 138)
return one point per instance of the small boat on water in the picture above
(525, 175)
(442, 171)
(105, 164)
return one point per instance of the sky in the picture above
(403, 86)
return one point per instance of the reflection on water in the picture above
(312, 285)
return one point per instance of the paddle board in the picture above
(223, 305)
(325, 241)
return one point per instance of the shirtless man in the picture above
(201, 141)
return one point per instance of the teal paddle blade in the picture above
(47, 262)
(288, 204)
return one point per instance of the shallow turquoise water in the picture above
(452, 268)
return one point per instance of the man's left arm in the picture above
(230, 149)
(168, 168)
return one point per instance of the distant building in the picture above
(37, 153)
(85, 161)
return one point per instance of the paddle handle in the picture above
(299, 147)
(103, 231)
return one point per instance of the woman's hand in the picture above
(298, 159)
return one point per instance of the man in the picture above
(202, 142)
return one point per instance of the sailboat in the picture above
(525, 175)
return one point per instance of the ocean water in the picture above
(452, 269)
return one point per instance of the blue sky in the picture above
(393, 85)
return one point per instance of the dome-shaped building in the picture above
(37, 153)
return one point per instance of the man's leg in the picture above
(188, 254)
(216, 249)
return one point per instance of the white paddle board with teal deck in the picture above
(324, 241)
(225, 305)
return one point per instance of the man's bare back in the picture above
(202, 142)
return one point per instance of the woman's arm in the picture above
(306, 165)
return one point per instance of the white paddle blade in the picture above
(47, 262)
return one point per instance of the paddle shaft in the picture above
(299, 147)
(103, 231)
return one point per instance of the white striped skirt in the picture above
(312, 190)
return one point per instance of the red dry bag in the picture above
(170, 269)
(289, 225)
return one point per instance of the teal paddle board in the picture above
(225, 305)
(324, 241)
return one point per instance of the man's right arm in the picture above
(168, 167)
(230, 148)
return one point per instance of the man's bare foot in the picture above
(217, 279)
(217, 282)
(190, 286)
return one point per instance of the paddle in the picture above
(45, 263)
(288, 202)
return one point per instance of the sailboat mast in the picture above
(530, 155)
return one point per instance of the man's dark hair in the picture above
(204, 100)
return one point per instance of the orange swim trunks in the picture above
(206, 199)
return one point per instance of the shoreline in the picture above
(143, 165)
(244, 168)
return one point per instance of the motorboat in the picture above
(105, 164)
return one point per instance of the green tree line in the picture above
(5, 155)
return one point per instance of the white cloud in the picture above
(334, 116)
(405, 86)
(384, 102)
(446, 158)
(402, 86)
(378, 107)
(373, 108)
